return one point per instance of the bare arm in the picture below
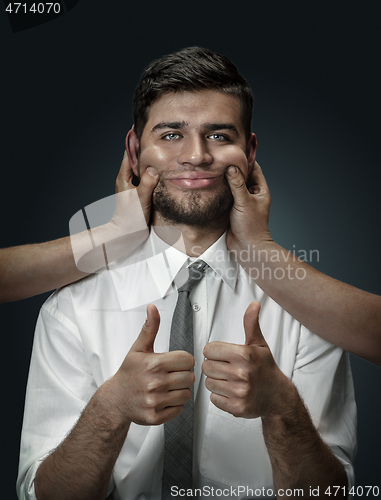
(81, 467)
(245, 381)
(148, 389)
(290, 434)
(340, 313)
(33, 269)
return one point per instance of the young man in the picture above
(99, 390)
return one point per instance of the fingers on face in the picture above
(236, 179)
(124, 178)
(125, 171)
(148, 181)
(256, 181)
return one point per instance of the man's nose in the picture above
(195, 152)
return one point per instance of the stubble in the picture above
(194, 207)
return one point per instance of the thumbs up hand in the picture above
(244, 380)
(151, 388)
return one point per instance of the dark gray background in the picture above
(66, 91)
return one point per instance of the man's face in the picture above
(191, 138)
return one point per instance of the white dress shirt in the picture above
(85, 330)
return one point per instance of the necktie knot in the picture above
(193, 275)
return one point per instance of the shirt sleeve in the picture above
(323, 378)
(60, 385)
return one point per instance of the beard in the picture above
(193, 209)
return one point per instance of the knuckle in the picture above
(242, 374)
(245, 353)
(242, 391)
(239, 183)
(154, 363)
(150, 401)
(156, 384)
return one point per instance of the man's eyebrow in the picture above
(212, 127)
(173, 125)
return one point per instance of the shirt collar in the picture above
(164, 268)
(217, 256)
(158, 263)
(222, 262)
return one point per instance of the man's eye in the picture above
(171, 136)
(218, 137)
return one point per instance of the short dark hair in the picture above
(190, 69)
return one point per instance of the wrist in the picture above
(107, 404)
(285, 402)
(129, 216)
(253, 249)
(262, 238)
(260, 241)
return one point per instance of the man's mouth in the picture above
(194, 180)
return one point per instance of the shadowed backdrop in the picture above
(66, 101)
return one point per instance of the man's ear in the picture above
(132, 148)
(251, 151)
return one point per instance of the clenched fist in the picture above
(152, 388)
(244, 380)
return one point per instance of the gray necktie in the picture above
(178, 449)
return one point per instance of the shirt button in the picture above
(196, 307)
